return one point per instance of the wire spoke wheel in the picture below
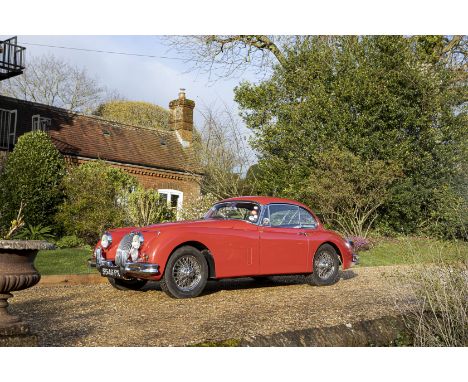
(325, 265)
(187, 273)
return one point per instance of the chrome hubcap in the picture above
(325, 265)
(186, 273)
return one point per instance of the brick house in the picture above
(159, 159)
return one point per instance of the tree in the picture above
(224, 154)
(31, 178)
(136, 113)
(52, 81)
(95, 200)
(382, 98)
(225, 55)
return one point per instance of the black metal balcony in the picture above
(11, 58)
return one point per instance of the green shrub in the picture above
(95, 200)
(32, 176)
(35, 232)
(70, 241)
(146, 207)
(359, 187)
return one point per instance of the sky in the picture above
(155, 80)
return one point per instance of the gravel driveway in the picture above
(99, 315)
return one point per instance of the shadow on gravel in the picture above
(214, 286)
(45, 316)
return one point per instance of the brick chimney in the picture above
(181, 118)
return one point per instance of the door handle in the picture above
(302, 233)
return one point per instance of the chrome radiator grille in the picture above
(123, 250)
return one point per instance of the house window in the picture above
(173, 198)
(7, 128)
(40, 123)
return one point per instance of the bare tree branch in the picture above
(224, 154)
(52, 81)
(224, 55)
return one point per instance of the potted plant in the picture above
(17, 272)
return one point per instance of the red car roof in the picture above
(265, 200)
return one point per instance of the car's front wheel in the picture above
(326, 266)
(127, 284)
(186, 273)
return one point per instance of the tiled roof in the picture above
(92, 137)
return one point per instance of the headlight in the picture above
(106, 240)
(137, 240)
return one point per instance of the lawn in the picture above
(385, 251)
(63, 261)
(410, 250)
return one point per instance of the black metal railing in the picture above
(11, 58)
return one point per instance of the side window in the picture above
(306, 219)
(284, 215)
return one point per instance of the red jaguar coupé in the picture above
(245, 236)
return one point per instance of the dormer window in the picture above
(40, 123)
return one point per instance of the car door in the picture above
(309, 227)
(283, 243)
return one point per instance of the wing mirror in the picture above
(266, 221)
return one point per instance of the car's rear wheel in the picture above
(186, 273)
(133, 284)
(326, 266)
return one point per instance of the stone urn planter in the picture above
(17, 272)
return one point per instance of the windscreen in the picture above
(247, 211)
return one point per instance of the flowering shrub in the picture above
(198, 207)
(361, 243)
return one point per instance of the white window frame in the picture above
(40, 123)
(5, 123)
(169, 192)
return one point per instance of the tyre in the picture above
(326, 266)
(186, 273)
(133, 284)
(263, 279)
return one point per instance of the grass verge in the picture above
(412, 250)
(66, 261)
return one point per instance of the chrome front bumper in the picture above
(355, 259)
(130, 269)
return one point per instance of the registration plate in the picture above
(111, 272)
